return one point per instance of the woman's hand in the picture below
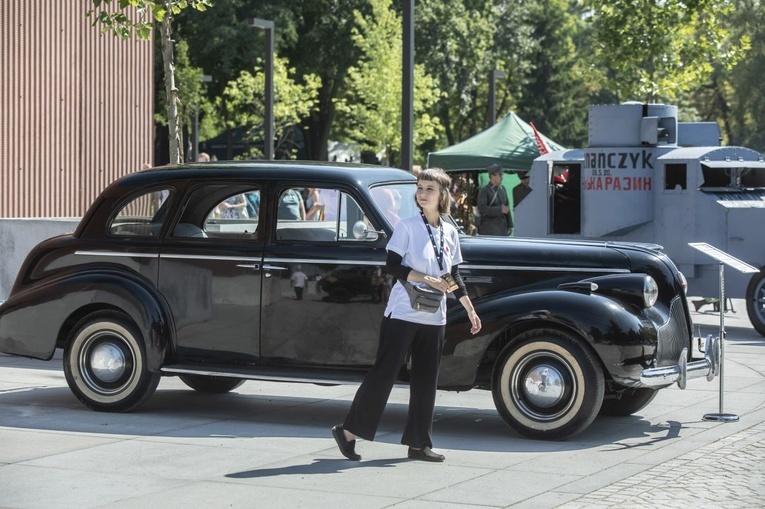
(475, 322)
(436, 283)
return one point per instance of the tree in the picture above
(244, 99)
(555, 95)
(124, 25)
(735, 100)
(660, 50)
(371, 109)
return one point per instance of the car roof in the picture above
(350, 173)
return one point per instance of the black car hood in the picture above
(551, 253)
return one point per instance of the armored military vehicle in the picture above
(645, 177)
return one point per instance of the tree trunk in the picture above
(168, 60)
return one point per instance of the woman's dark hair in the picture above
(445, 181)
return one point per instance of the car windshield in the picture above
(396, 202)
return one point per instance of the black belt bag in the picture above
(423, 298)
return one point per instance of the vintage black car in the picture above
(168, 274)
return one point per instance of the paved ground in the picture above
(269, 445)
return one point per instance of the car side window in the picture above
(322, 215)
(220, 211)
(142, 216)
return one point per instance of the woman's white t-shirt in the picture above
(411, 240)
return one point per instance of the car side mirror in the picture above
(362, 232)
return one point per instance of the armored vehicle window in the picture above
(142, 216)
(675, 175)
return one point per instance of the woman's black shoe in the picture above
(346, 448)
(425, 454)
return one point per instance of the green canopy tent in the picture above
(509, 143)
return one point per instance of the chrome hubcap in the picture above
(544, 386)
(107, 362)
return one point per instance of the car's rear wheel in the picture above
(105, 363)
(212, 384)
(755, 301)
(627, 402)
(547, 385)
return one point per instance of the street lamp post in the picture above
(407, 87)
(268, 117)
(494, 75)
(206, 78)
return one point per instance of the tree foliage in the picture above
(370, 112)
(556, 94)
(122, 24)
(660, 50)
(244, 100)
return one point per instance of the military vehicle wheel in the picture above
(628, 402)
(105, 363)
(755, 301)
(547, 385)
(212, 384)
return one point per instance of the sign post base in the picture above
(721, 417)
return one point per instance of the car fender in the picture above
(615, 331)
(47, 312)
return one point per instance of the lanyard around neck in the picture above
(439, 252)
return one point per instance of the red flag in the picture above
(541, 145)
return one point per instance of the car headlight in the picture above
(636, 289)
(650, 291)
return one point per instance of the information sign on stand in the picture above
(731, 261)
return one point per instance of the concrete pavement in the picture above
(269, 445)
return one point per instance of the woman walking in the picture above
(424, 250)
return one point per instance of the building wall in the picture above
(76, 108)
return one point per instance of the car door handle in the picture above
(254, 266)
(268, 268)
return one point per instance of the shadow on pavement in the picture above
(189, 415)
(320, 466)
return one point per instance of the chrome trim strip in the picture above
(183, 371)
(117, 254)
(317, 261)
(555, 269)
(210, 257)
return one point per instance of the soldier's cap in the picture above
(495, 169)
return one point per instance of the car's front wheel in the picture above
(212, 384)
(105, 363)
(548, 385)
(755, 301)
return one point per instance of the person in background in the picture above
(291, 205)
(203, 157)
(522, 190)
(423, 250)
(253, 203)
(494, 206)
(313, 206)
(297, 281)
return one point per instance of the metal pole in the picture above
(268, 116)
(407, 87)
(206, 78)
(721, 416)
(491, 116)
(195, 148)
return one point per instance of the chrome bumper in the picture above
(681, 372)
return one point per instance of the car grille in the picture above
(673, 335)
